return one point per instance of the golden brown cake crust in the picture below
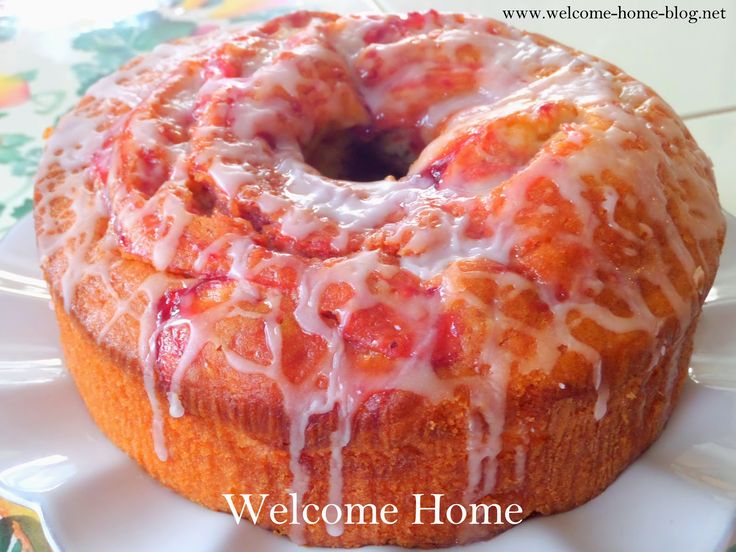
(401, 446)
(514, 328)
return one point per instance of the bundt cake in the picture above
(352, 260)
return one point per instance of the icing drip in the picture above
(540, 177)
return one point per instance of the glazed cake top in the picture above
(350, 204)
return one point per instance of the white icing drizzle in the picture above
(153, 287)
(179, 140)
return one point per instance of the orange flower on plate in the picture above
(14, 90)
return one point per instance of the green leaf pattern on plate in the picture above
(20, 153)
(112, 47)
(7, 28)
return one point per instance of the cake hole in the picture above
(358, 155)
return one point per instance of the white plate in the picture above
(679, 496)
